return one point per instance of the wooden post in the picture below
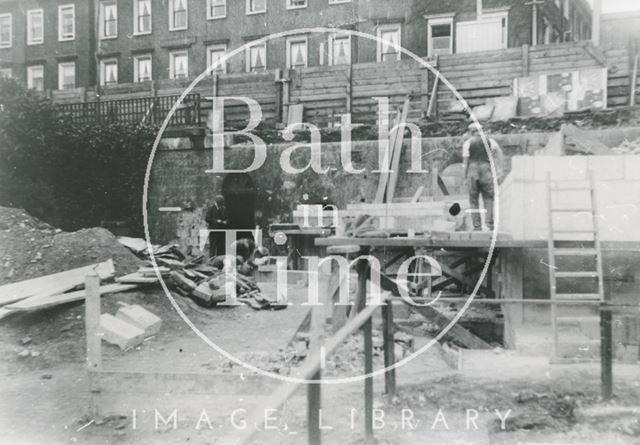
(286, 85)
(424, 89)
(93, 334)
(349, 88)
(314, 404)
(368, 383)
(389, 349)
(606, 354)
(634, 79)
(525, 60)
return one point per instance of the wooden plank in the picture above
(457, 332)
(136, 278)
(53, 284)
(397, 139)
(36, 303)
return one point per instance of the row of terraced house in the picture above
(66, 44)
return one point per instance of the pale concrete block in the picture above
(561, 167)
(606, 167)
(140, 318)
(631, 167)
(120, 333)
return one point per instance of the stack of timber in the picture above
(52, 290)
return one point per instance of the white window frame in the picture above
(103, 70)
(438, 22)
(136, 19)
(61, 36)
(290, 42)
(136, 67)
(250, 12)
(101, 24)
(30, 39)
(210, 4)
(172, 67)
(8, 44)
(172, 26)
(217, 48)
(30, 76)
(248, 57)
(388, 28)
(331, 55)
(292, 6)
(6, 73)
(61, 66)
(337, 2)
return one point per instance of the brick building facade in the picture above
(63, 44)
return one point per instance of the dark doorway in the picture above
(239, 193)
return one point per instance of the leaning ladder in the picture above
(585, 248)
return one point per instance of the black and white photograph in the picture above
(289, 222)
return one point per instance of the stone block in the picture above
(606, 167)
(632, 167)
(120, 333)
(141, 318)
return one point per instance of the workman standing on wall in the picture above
(477, 172)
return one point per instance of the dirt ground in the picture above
(45, 398)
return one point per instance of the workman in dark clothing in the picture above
(217, 219)
(478, 176)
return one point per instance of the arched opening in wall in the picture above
(239, 193)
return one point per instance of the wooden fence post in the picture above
(368, 383)
(525, 60)
(424, 89)
(349, 98)
(286, 85)
(94, 336)
(314, 404)
(388, 346)
(606, 353)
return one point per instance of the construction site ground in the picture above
(46, 399)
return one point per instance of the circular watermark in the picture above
(491, 245)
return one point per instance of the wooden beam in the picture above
(457, 332)
(397, 137)
(53, 284)
(37, 303)
(93, 335)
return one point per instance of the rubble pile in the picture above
(628, 148)
(32, 248)
(196, 278)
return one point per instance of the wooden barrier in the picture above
(327, 92)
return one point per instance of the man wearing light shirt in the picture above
(477, 172)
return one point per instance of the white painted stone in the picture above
(141, 318)
(606, 167)
(120, 333)
(632, 167)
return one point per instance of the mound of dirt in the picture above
(31, 248)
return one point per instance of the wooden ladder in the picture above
(589, 248)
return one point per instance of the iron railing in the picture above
(149, 110)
